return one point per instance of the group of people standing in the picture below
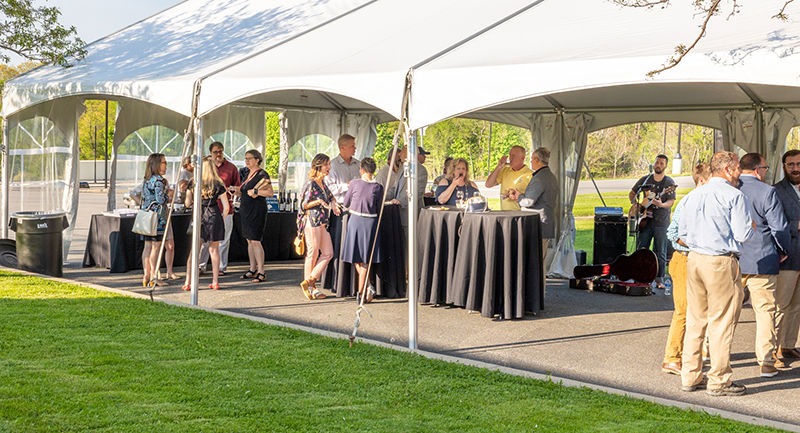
(734, 234)
(219, 184)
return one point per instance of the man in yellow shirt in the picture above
(510, 173)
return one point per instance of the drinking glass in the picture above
(459, 197)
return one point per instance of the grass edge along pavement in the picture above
(75, 359)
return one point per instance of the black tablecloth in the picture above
(280, 229)
(390, 274)
(438, 241)
(497, 266)
(111, 243)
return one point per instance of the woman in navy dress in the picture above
(212, 226)
(456, 183)
(363, 198)
(253, 213)
(155, 195)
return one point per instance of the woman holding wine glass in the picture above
(456, 187)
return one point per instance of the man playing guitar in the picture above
(661, 188)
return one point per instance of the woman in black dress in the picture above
(253, 213)
(363, 198)
(212, 227)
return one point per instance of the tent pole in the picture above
(413, 206)
(198, 176)
(6, 176)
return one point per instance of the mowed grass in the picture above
(76, 359)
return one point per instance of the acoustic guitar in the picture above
(641, 211)
(641, 266)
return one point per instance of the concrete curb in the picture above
(438, 356)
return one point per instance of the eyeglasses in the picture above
(792, 164)
(763, 167)
(216, 152)
(248, 158)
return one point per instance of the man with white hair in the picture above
(540, 193)
(511, 174)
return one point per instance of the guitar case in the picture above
(629, 275)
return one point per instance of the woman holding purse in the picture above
(155, 195)
(253, 212)
(317, 201)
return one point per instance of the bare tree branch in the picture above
(682, 50)
(782, 15)
(709, 11)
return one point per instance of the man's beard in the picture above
(793, 176)
(658, 170)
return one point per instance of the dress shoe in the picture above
(778, 363)
(671, 368)
(699, 385)
(768, 370)
(788, 353)
(732, 389)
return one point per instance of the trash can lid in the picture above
(38, 214)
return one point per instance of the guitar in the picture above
(641, 266)
(640, 211)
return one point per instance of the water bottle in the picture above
(668, 285)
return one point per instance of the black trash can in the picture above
(40, 245)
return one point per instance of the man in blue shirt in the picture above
(714, 224)
(761, 256)
(673, 352)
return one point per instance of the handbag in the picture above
(299, 241)
(146, 222)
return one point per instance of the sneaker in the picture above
(768, 370)
(778, 363)
(731, 390)
(696, 386)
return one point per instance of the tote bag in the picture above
(146, 222)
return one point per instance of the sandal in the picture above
(221, 273)
(186, 287)
(316, 294)
(304, 285)
(214, 286)
(248, 275)
(173, 276)
(159, 283)
(259, 278)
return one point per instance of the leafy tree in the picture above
(33, 32)
(272, 147)
(91, 128)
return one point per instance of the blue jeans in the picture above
(659, 237)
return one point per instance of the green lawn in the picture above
(76, 359)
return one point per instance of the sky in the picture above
(94, 19)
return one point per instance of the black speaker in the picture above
(610, 237)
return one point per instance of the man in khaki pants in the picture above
(761, 257)
(787, 292)
(673, 351)
(714, 224)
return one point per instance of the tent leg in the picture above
(198, 172)
(413, 205)
(6, 177)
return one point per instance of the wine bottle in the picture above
(281, 203)
(294, 202)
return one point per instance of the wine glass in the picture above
(459, 197)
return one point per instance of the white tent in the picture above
(560, 67)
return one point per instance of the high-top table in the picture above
(489, 262)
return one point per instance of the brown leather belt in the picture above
(683, 253)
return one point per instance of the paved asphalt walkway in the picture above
(599, 338)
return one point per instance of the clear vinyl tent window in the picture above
(235, 143)
(133, 152)
(38, 157)
(302, 153)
